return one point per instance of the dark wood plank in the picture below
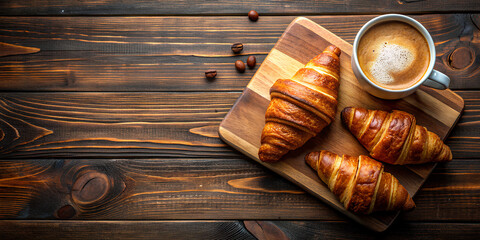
(163, 188)
(171, 54)
(21, 229)
(109, 125)
(399, 230)
(201, 188)
(464, 140)
(265, 230)
(448, 193)
(194, 7)
(123, 230)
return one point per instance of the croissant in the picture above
(394, 137)
(302, 106)
(360, 182)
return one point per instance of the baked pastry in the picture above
(302, 106)
(394, 137)
(360, 182)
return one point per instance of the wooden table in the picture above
(109, 126)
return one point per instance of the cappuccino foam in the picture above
(393, 55)
(392, 59)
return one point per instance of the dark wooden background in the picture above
(110, 130)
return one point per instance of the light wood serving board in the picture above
(301, 41)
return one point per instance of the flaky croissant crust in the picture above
(302, 106)
(360, 183)
(394, 137)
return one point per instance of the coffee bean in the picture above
(253, 15)
(237, 47)
(211, 73)
(240, 66)
(251, 61)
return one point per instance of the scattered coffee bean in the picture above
(211, 73)
(253, 15)
(251, 61)
(237, 47)
(240, 66)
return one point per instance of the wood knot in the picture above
(66, 212)
(91, 187)
(461, 58)
(95, 187)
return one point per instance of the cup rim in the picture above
(412, 22)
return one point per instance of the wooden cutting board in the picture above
(301, 41)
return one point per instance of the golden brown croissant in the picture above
(302, 106)
(394, 137)
(360, 182)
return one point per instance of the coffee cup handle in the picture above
(437, 80)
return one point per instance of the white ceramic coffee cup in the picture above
(431, 78)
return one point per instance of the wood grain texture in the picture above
(171, 54)
(457, 186)
(12, 49)
(103, 125)
(123, 230)
(201, 188)
(401, 230)
(225, 7)
(438, 111)
(465, 137)
(20, 229)
(162, 188)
